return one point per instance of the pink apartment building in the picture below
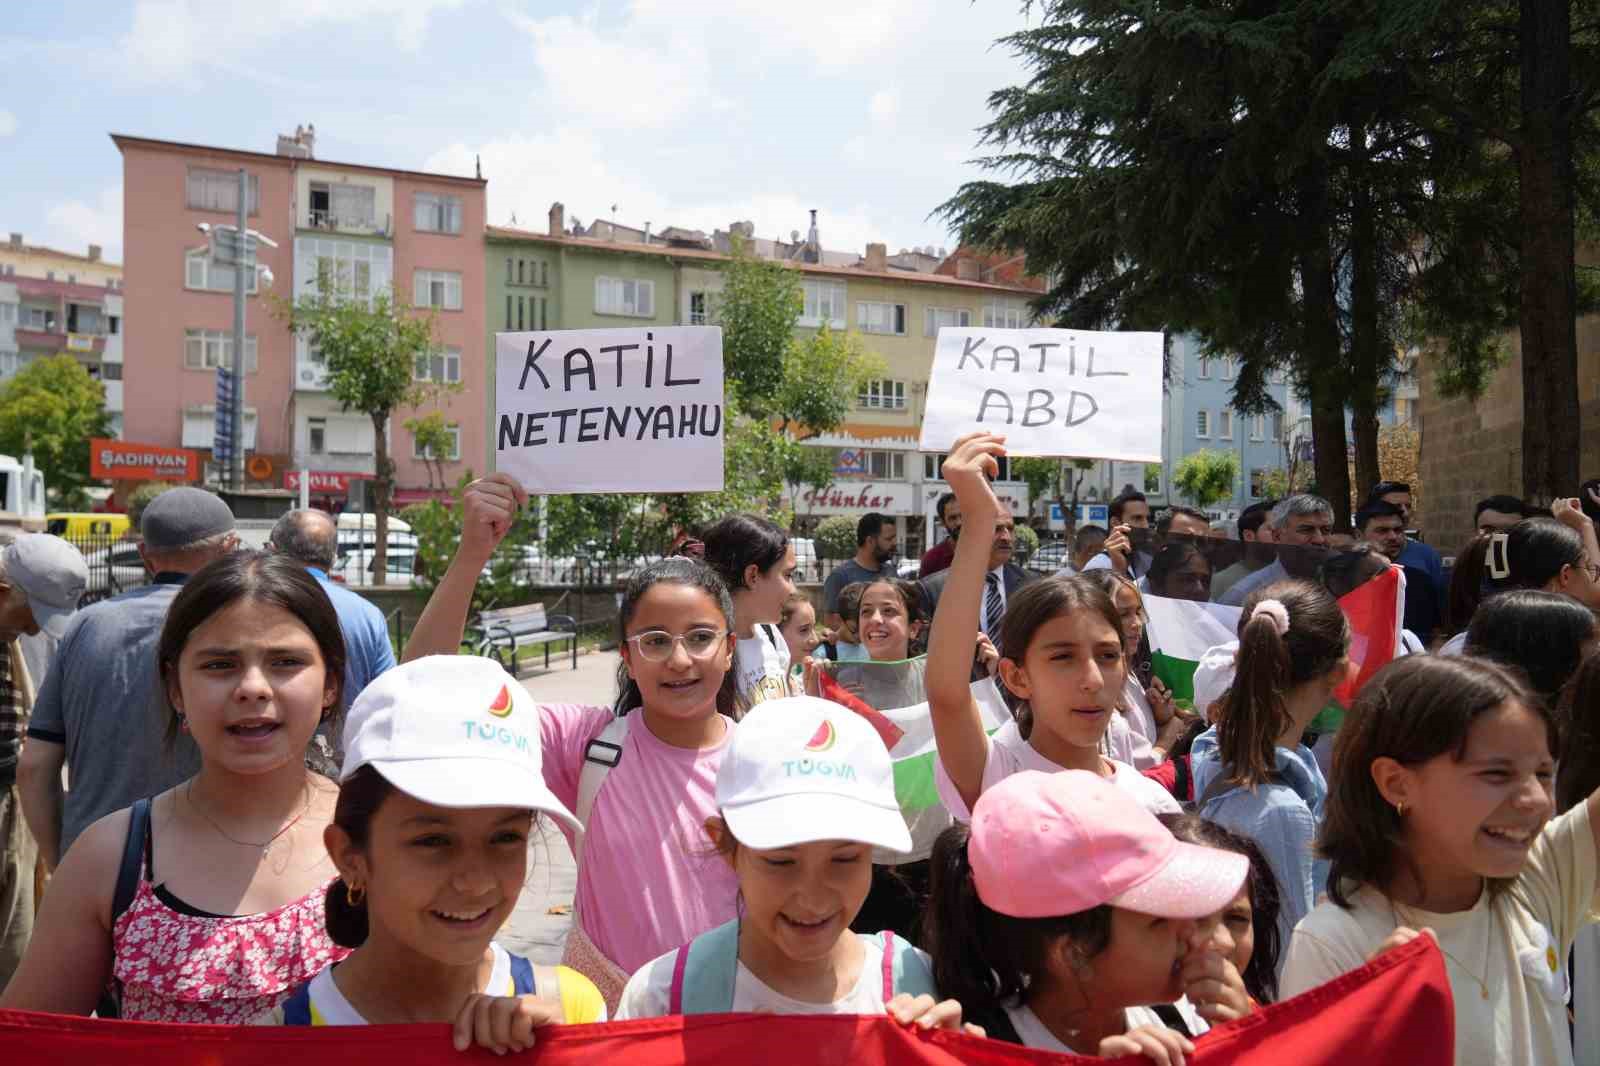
(373, 227)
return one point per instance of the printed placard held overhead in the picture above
(610, 410)
(1050, 391)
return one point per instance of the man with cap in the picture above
(41, 580)
(99, 707)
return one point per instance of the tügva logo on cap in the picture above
(501, 706)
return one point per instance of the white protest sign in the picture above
(610, 410)
(1049, 391)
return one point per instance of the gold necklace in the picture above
(1488, 948)
(266, 845)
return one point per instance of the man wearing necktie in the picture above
(1000, 584)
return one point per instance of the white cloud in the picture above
(884, 106)
(73, 225)
(169, 39)
(8, 123)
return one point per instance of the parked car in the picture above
(1051, 556)
(113, 570)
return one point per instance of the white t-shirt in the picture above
(761, 668)
(1007, 754)
(1034, 1034)
(649, 991)
(1515, 943)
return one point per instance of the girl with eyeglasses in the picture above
(640, 775)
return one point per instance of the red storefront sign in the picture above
(335, 482)
(121, 459)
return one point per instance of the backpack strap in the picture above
(904, 968)
(1172, 1018)
(600, 757)
(703, 972)
(297, 1008)
(522, 983)
(132, 856)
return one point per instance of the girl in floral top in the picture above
(222, 879)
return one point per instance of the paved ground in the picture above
(533, 931)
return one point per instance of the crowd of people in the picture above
(270, 822)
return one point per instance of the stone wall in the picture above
(1473, 449)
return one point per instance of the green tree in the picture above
(437, 525)
(1027, 542)
(434, 440)
(836, 537)
(372, 350)
(758, 307)
(51, 408)
(1206, 476)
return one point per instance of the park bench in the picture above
(501, 631)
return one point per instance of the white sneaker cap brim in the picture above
(473, 783)
(806, 817)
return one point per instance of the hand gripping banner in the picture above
(1397, 1008)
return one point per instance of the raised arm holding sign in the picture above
(1049, 391)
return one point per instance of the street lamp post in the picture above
(236, 412)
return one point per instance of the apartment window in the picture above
(438, 288)
(508, 272)
(1205, 368)
(419, 452)
(1228, 367)
(932, 468)
(8, 364)
(442, 366)
(881, 318)
(340, 205)
(508, 310)
(1005, 314)
(207, 349)
(520, 307)
(81, 319)
(938, 318)
(218, 190)
(1258, 483)
(317, 435)
(355, 269)
(113, 324)
(544, 275)
(521, 266)
(1277, 425)
(698, 315)
(202, 273)
(1202, 423)
(884, 393)
(824, 303)
(110, 371)
(1226, 430)
(72, 279)
(542, 323)
(434, 212)
(624, 296)
(1258, 427)
(8, 313)
(39, 318)
(199, 427)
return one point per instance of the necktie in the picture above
(994, 608)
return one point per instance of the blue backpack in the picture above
(704, 969)
(297, 1008)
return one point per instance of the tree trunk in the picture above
(381, 486)
(1320, 348)
(1548, 312)
(1368, 356)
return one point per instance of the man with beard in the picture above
(939, 556)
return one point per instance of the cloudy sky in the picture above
(680, 112)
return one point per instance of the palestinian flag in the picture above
(1181, 631)
(907, 730)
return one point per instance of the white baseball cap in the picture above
(803, 769)
(453, 731)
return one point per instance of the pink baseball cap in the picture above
(1044, 845)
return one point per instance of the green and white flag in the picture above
(1180, 632)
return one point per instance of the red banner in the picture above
(141, 462)
(334, 481)
(1395, 1009)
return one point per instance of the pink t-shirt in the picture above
(1010, 754)
(650, 881)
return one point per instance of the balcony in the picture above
(326, 221)
(54, 341)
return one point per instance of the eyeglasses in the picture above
(1593, 571)
(656, 645)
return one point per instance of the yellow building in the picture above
(54, 302)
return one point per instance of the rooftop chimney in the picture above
(647, 233)
(16, 240)
(558, 219)
(813, 253)
(94, 253)
(877, 258)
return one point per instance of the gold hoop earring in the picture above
(1400, 809)
(354, 896)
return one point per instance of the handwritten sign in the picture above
(1050, 391)
(610, 410)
